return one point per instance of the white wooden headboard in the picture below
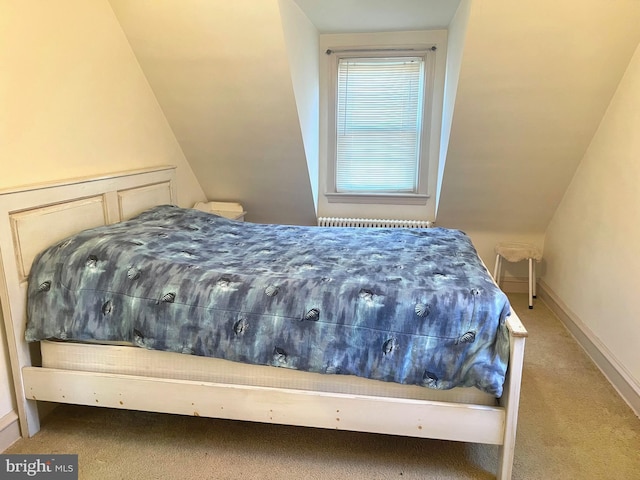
(34, 217)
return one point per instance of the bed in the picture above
(317, 387)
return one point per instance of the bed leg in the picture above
(505, 461)
(19, 357)
(510, 400)
(31, 423)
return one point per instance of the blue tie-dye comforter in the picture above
(413, 306)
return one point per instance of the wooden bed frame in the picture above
(32, 218)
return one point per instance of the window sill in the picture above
(380, 198)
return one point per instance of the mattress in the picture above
(128, 360)
(410, 306)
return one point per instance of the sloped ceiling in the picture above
(220, 72)
(535, 80)
(362, 16)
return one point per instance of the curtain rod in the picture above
(378, 50)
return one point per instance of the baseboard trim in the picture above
(611, 368)
(9, 430)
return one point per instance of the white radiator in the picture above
(372, 222)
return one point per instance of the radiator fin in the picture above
(372, 222)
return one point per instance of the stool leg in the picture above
(535, 281)
(531, 283)
(496, 270)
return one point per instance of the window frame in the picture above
(420, 197)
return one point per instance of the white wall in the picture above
(301, 41)
(74, 99)
(7, 402)
(75, 102)
(455, 49)
(592, 242)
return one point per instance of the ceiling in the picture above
(356, 16)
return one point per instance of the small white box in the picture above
(231, 210)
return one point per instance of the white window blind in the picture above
(379, 110)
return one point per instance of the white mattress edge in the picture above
(131, 360)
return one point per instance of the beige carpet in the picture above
(572, 426)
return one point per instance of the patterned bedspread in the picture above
(413, 306)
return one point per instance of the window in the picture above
(380, 140)
(378, 121)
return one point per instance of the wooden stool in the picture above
(516, 252)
